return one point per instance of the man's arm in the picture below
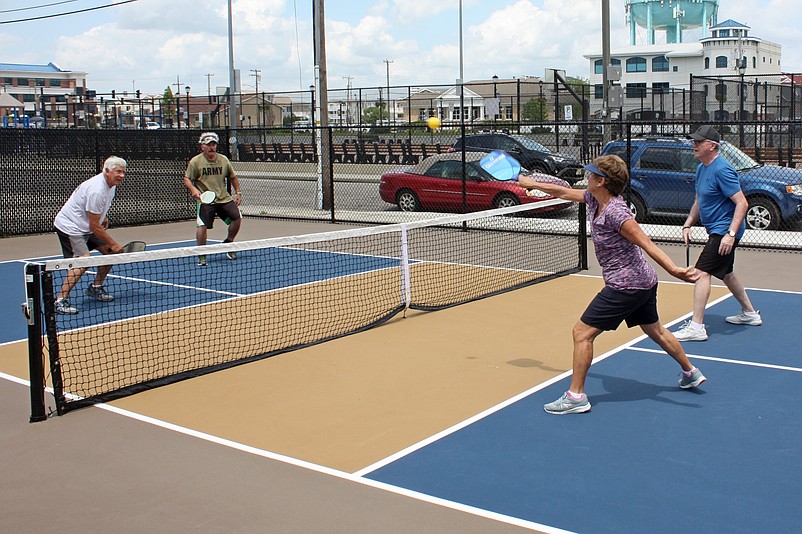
(235, 185)
(741, 207)
(693, 216)
(98, 228)
(193, 191)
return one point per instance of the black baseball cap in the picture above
(706, 132)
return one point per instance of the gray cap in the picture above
(706, 132)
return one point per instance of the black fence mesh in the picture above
(282, 175)
(42, 167)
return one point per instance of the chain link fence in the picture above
(282, 175)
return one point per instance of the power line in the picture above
(68, 12)
(37, 7)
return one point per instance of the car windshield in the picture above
(737, 159)
(532, 145)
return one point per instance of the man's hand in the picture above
(726, 245)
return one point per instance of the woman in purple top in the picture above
(630, 281)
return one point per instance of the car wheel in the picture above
(505, 200)
(637, 207)
(407, 200)
(541, 168)
(762, 214)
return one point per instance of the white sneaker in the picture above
(745, 317)
(689, 333)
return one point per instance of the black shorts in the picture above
(713, 263)
(74, 246)
(611, 306)
(227, 211)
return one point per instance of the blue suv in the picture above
(662, 172)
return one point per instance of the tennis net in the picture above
(172, 319)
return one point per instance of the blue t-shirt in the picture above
(715, 184)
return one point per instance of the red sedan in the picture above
(435, 184)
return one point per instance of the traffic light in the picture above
(112, 93)
(137, 93)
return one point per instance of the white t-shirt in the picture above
(92, 196)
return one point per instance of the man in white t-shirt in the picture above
(81, 226)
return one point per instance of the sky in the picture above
(152, 44)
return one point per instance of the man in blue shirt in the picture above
(721, 207)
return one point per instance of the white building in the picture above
(654, 76)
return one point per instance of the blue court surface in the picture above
(191, 286)
(649, 457)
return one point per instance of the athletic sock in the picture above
(697, 326)
(689, 373)
(575, 396)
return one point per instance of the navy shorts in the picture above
(713, 263)
(227, 211)
(611, 306)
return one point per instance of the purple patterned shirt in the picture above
(623, 264)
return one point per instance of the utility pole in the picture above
(209, 86)
(232, 101)
(255, 74)
(177, 84)
(387, 61)
(177, 99)
(348, 99)
(323, 134)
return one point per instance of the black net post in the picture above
(36, 367)
(49, 299)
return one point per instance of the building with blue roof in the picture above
(58, 96)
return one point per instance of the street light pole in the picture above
(495, 98)
(387, 61)
(187, 110)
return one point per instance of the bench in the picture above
(782, 156)
(301, 152)
(414, 153)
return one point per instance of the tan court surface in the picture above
(343, 405)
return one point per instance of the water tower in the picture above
(671, 16)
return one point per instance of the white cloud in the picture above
(189, 38)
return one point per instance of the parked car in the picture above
(435, 184)
(530, 153)
(663, 175)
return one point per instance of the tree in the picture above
(168, 103)
(535, 110)
(373, 114)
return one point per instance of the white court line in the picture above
(351, 477)
(728, 360)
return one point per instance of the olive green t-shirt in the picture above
(209, 175)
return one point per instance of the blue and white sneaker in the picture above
(696, 379)
(567, 404)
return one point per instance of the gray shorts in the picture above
(74, 246)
